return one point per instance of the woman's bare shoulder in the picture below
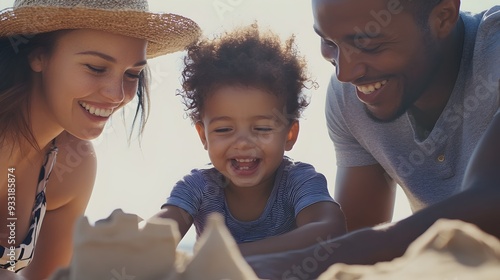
(74, 172)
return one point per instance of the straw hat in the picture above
(166, 33)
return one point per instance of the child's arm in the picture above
(315, 224)
(183, 219)
(184, 198)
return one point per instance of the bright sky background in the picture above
(139, 178)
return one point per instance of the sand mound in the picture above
(122, 247)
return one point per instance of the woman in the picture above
(65, 68)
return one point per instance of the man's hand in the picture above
(353, 248)
(285, 265)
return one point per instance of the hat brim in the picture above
(165, 32)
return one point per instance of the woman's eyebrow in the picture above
(108, 57)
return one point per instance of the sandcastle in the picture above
(119, 248)
(122, 247)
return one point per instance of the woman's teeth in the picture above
(367, 89)
(96, 111)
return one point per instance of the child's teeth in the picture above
(245, 160)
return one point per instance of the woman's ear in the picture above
(36, 60)
(444, 17)
(293, 134)
(201, 133)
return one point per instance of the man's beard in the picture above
(410, 97)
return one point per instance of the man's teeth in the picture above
(367, 89)
(96, 111)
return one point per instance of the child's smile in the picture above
(244, 137)
(245, 165)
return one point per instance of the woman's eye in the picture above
(134, 76)
(95, 69)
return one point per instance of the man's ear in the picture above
(444, 17)
(293, 134)
(36, 60)
(201, 133)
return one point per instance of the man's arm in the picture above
(366, 194)
(478, 204)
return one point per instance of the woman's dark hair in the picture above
(244, 57)
(15, 87)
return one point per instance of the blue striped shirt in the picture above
(297, 185)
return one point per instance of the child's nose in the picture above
(244, 141)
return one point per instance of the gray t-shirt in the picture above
(431, 169)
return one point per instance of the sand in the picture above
(123, 247)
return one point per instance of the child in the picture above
(243, 92)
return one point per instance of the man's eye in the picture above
(370, 49)
(328, 43)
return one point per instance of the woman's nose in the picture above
(114, 91)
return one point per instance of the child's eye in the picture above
(95, 69)
(222, 130)
(263, 129)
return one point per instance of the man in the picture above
(416, 89)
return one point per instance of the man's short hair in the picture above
(421, 10)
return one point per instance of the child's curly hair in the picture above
(244, 57)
